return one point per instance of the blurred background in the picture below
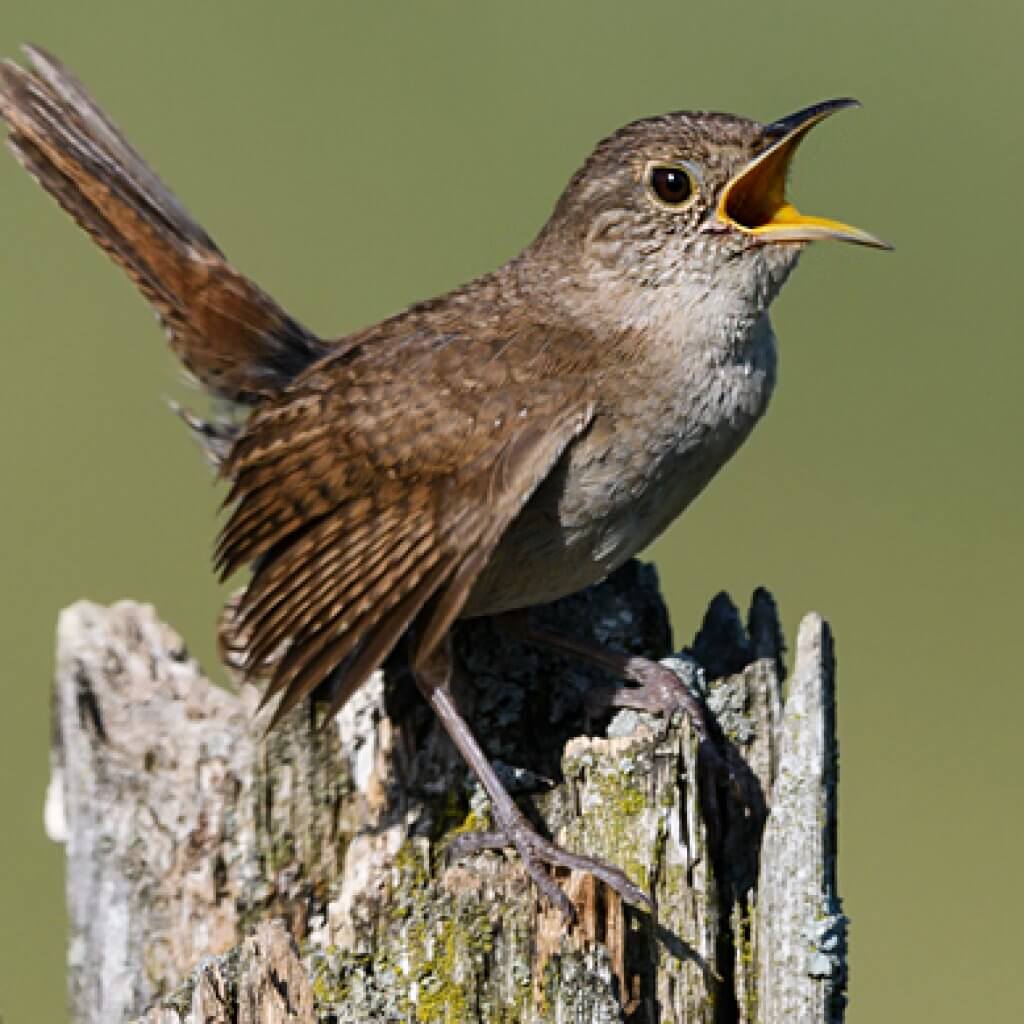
(353, 158)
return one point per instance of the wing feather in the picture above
(360, 524)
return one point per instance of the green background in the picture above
(356, 157)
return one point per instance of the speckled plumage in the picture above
(601, 377)
(499, 446)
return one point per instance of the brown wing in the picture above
(379, 482)
(238, 342)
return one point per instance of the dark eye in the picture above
(671, 185)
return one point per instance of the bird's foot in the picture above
(652, 686)
(657, 689)
(535, 852)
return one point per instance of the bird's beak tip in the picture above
(754, 201)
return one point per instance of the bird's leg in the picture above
(656, 688)
(433, 677)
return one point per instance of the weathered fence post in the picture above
(215, 874)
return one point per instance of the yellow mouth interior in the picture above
(755, 201)
(756, 198)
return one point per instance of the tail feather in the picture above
(229, 333)
(73, 97)
(215, 434)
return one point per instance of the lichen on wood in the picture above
(215, 873)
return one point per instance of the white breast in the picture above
(636, 469)
(681, 431)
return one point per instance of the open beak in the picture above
(755, 203)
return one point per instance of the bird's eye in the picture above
(672, 185)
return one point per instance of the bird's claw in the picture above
(535, 851)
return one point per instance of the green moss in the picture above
(330, 976)
(433, 952)
(409, 863)
(446, 958)
(449, 814)
(440, 997)
(611, 826)
(743, 937)
(434, 948)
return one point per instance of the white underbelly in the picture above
(624, 481)
(584, 523)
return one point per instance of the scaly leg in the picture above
(433, 677)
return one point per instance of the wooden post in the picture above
(215, 874)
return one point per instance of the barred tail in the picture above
(231, 335)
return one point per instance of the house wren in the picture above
(497, 447)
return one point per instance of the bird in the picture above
(495, 448)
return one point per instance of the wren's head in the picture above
(690, 205)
